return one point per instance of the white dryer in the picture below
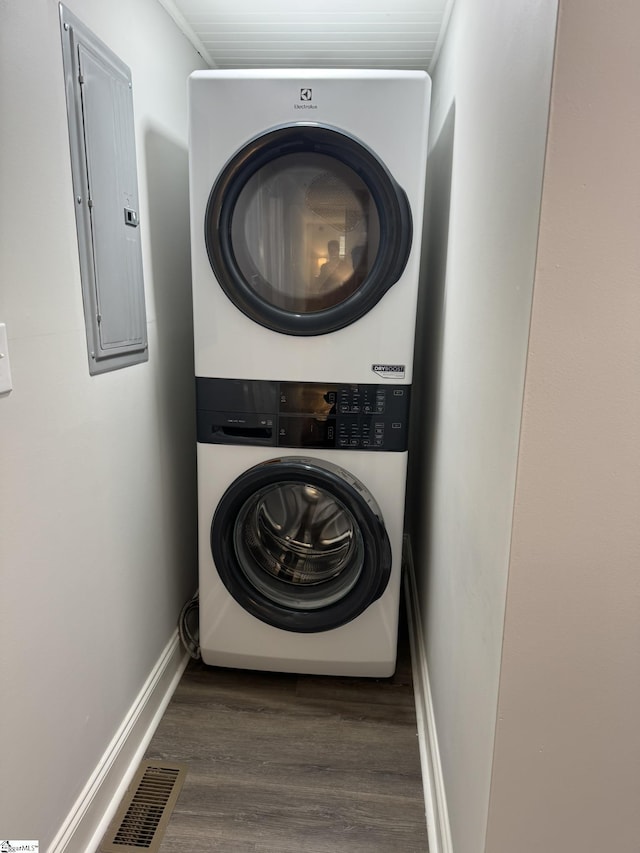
(301, 504)
(307, 191)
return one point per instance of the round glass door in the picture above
(306, 230)
(299, 546)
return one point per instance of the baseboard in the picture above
(87, 821)
(438, 828)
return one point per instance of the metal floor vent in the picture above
(143, 814)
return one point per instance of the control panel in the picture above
(302, 414)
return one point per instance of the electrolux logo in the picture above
(306, 98)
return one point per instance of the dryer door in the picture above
(306, 230)
(301, 544)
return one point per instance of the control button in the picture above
(367, 408)
(343, 441)
(379, 442)
(344, 408)
(398, 392)
(366, 442)
(355, 409)
(354, 442)
(396, 426)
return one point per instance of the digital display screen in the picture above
(307, 398)
(307, 432)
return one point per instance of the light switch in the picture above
(5, 367)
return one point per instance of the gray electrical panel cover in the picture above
(105, 189)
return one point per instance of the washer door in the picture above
(300, 544)
(306, 230)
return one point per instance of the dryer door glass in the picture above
(301, 544)
(306, 230)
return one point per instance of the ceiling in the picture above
(399, 34)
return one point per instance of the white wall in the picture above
(567, 762)
(487, 141)
(97, 474)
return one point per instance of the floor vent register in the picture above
(143, 814)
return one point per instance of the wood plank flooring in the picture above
(294, 764)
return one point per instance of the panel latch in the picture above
(131, 217)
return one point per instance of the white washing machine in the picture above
(301, 504)
(307, 192)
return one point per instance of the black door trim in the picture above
(390, 200)
(376, 570)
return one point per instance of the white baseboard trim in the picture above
(92, 812)
(438, 828)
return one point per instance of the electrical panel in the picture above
(105, 196)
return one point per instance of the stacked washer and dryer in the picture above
(307, 191)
